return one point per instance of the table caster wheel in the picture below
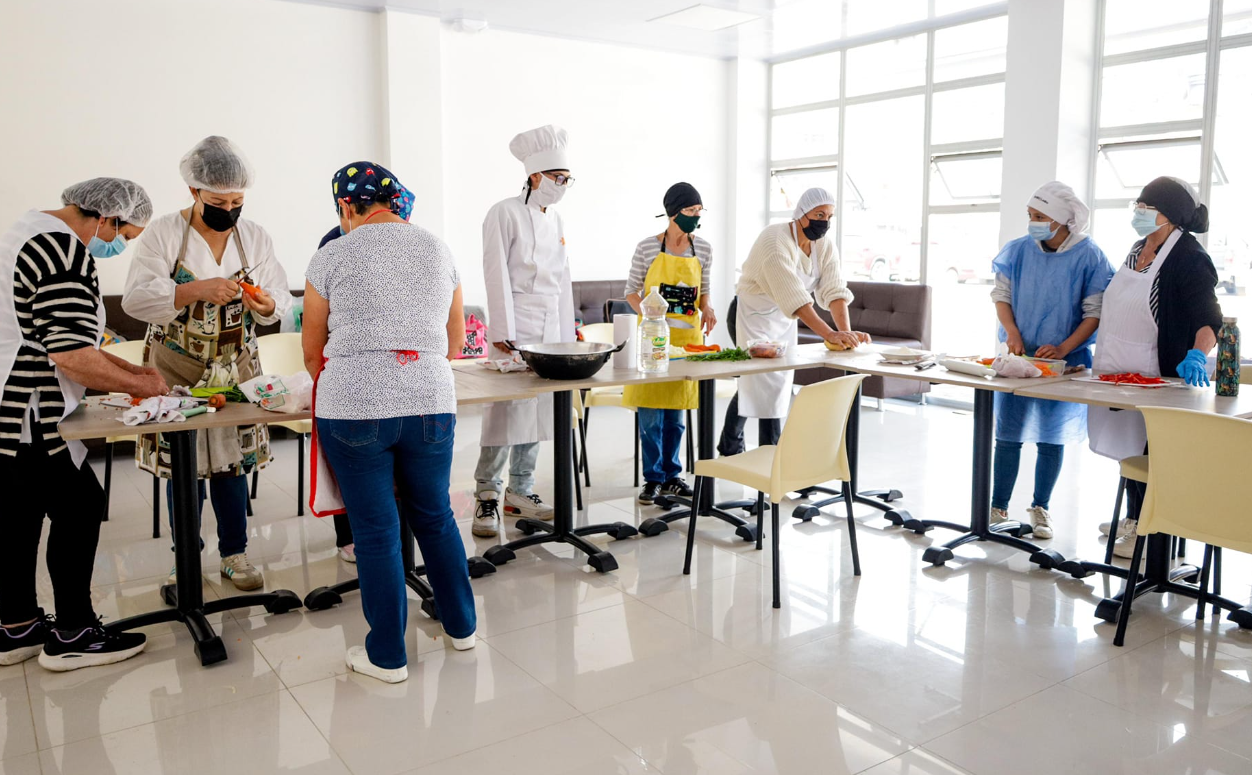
(499, 555)
(282, 601)
(1107, 609)
(322, 598)
(478, 567)
(1075, 568)
(1193, 578)
(891, 495)
(1047, 559)
(1242, 617)
(602, 562)
(1022, 530)
(917, 526)
(169, 595)
(663, 502)
(937, 555)
(428, 608)
(653, 527)
(530, 526)
(894, 517)
(211, 651)
(805, 513)
(747, 533)
(620, 531)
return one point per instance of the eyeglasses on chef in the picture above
(559, 179)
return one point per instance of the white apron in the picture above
(1126, 342)
(31, 225)
(767, 396)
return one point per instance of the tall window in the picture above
(1175, 86)
(906, 130)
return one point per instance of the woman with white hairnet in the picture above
(788, 266)
(202, 279)
(1048, 290)
(51, 318)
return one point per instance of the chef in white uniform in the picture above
(789, 265)
(529, 301)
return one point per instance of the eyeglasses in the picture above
(561, 180)
(693, 210)
(1141, 207)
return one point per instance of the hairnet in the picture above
(1177, 200)
(112, 198)
(814, 197)
(217, 165)
(1059, 202)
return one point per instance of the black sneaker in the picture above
(677, 487)
(89, 647)
(18, 644)
(649, 492)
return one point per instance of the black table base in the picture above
(561, 529)
(186, 597)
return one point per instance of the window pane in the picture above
(945, 7)
(1236, 17)
(883, 190)
(1135, 25)
(1110, 228)
(869, 15)
(813, 79)
(796, 25)
(1148, 92)
(956, 180)
(976, 113)
(1229, 239)
(893, 64)
(786, 186)
(961, 249)
(799, 135)
(1123, 170)
(971, 49)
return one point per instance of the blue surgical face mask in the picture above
(101, 249)
(1040, 230)
(1144, 222)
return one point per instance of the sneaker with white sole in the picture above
(1040, 522)
(466, 643)
(1124, 546)
(347, 553)
(173, 577)
(18, 644)
(358, 661)
(1123, 526)
(91, 646)
(242, 573)
(999, 515)
(487, 516)
(530, 506)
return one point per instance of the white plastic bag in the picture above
(289, 394)
(1014, 367)
(325, 498)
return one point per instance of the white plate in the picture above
(903, 352)
(966, 367)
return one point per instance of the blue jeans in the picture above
(1008, 460)
(521, 459)
(660, 441)
(416, 454)
(230, 504)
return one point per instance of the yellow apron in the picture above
(678, 278)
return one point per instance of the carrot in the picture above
(250, 289)
(702, 348)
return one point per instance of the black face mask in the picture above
(219, 218)
(816, 230)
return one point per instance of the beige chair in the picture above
(812, 450)
(131, 352)
(283, 354)
(1198, 488)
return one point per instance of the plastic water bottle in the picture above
(1227, 376)
(654, 334)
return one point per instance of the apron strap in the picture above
(182, 248)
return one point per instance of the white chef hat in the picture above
(541, 149)
(1059, 202)
(814, 197)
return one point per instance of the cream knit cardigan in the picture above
(775, 265)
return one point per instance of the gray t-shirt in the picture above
(390, 287)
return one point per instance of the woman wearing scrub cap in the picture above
(789, 265)
(1049, 285)
(203, 278)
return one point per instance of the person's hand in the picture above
(1194, 369)
(843, 339)
(149, 385)
(259, 302)
(502, 347)
(708, 319)
(1052, 352)
(217, 291)
(862, 337)
(1014, 341)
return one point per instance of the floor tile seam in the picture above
(632, 749)
(506, 740)
(494, 635)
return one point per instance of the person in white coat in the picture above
(529, 301)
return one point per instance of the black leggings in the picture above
(343, 531)
(768, 430)
(36, 485)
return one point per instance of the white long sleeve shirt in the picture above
(524, 260)
(776, 267)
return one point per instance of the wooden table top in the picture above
(865, 360)
(1121, 397)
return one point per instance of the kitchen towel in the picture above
(625, 329)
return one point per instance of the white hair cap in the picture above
(1059, 202)
(813, 198)
(112, 198)
(217, 165)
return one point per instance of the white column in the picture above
(1049, 131)
(747, 197)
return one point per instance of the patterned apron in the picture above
(213, 345)
(678, 278)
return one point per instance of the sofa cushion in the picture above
(590, 295)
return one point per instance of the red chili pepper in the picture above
(1131, 378)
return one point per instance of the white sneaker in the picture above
(531, 506)
(487, 516)
(173, 577)
(998, 515)
(1040, 522)
(1124, 546)
(358, 661)
(242, 573)
(466, 643)
(1123, 527)
(347, 553)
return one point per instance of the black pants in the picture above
(36, 484)
(768, 430)
(343, 531)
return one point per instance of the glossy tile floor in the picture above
(986, 666)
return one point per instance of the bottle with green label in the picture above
(1227, 376)
(654, 334)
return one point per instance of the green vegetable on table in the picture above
(729, 354)
(232, 393)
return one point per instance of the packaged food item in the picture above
(763, 348)
(1227, 374)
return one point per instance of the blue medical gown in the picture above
(1048, 289)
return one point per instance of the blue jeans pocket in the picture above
(355, 433)
(438, 427)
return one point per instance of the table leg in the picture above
(561, 529)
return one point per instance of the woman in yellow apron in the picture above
(676, 262)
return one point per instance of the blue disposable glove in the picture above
(1194, 369)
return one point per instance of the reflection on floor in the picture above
(985, 666)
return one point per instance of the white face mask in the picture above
(548, 193)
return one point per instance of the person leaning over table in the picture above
(677, 263)
(1049, 285)
(383, 308)
(185, 283)
(51, 319)
(1160, 319)
(788, 265)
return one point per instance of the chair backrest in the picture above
(1198, 483)
(813, 448)
(601, 333)
(130, 351)
(614, 307)
(281, 354)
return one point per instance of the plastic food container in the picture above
(764, 348)
(1049, 367)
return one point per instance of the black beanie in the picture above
(679, 197)
(1173, 199)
